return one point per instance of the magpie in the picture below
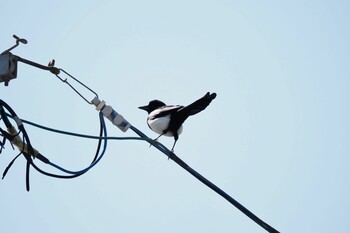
(168, 119)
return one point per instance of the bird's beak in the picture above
(144, 108)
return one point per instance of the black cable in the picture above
(205, 181)
(219, 191)
(29, 162)
(99, 143)
(4, 118)
(26, 141)
(9, 165)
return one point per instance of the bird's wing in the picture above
(166, 110)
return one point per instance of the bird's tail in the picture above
(196, 107)
(201, 104)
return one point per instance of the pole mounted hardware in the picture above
(9, 63)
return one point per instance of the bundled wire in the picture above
(27, 150)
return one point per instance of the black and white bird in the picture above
(168, 119)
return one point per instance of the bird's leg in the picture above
(164, 132)
(176, 136)
(172, 149)
(159, 136)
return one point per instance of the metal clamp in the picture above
(117, 119)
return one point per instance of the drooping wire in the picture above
(95, 161)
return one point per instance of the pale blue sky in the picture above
(276, 138)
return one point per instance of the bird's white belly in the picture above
(160, 124)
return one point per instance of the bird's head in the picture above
(152, 105)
